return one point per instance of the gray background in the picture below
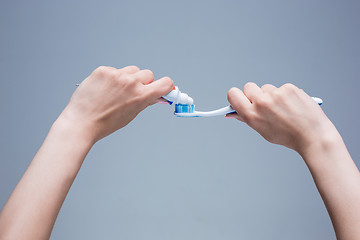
(167, 178)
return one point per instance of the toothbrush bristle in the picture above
(184, 108)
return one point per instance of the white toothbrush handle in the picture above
(317, 100)
(218, 112)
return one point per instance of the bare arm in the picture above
(104, 102)
(288, 116)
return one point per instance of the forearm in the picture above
(290, 117)
(107, 100)
(338, 181)
(33, 206)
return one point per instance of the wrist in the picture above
(323, 142)
(82, 131)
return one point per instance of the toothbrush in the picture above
(184, 105)
(182, 110)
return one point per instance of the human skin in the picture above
(110, 98)
(104, 102)
(289, 117)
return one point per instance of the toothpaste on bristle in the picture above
(177, 97)
(185, 99)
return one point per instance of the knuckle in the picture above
(266, 86)
(149, 72)
(101, 70)
(130, 79)
(263, 101)
(289, 87)
(127, 82)
(107, 72)
(277, 94)
(249, 117)
(136, 68)
(112, 74)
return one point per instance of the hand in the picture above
(110, 98)
(285, 115)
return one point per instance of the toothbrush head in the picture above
(184, 108)
(188, 111)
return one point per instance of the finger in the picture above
(160, 101)
(234, 116)
(252, 91)
(240, 103)
(160, 87)
(267, 88)
(129, 69)
(144, 76)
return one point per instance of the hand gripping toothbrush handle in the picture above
(229, 109)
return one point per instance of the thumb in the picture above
(240, 103)
(159, 88)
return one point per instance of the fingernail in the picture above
(229, 117)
